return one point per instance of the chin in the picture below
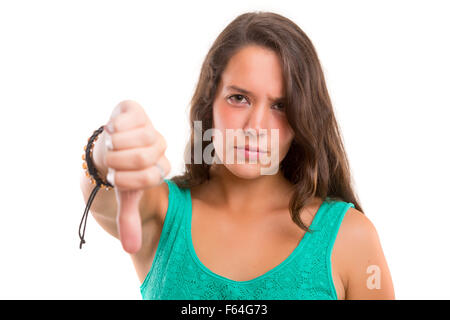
(245, 171)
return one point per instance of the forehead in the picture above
(256, 69)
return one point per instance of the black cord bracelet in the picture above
(91, 171)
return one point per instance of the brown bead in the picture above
(85, 148)
(84, 165)
(83, 156)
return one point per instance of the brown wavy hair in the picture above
(316, 163)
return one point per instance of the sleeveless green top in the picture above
(177, 273)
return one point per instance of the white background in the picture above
(64, 65)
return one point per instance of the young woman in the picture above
(225, 229)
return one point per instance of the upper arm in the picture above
(367, 274)
(154, 202)
(153, 207)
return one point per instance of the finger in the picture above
(160, 170)
(139, 179)
(129, 219)
(127, 121)
(129, 106)
(127, 115)
(136, 158)
(140, 137)
(164, 164)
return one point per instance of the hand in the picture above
(133, 150)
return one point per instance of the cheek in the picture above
(286, 135)
(223, 117)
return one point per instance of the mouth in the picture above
(250, 149)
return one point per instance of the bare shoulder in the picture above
(365, 270)
(357, 224)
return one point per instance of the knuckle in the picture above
(141, 159)
(148, 178)
(127, 104)
(148, 136)
(152, 157)
(163, 143)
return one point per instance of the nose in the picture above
(257, 118)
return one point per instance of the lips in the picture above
(251, 149)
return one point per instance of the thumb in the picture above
(129, 219)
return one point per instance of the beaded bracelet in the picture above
(92, 173)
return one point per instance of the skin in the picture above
(241, 227)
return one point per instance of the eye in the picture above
(237, 97)
(280, 106)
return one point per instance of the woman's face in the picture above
(249, 101)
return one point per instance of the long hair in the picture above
(316, 163)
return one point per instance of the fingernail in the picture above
(110, 176)
(109, 127)
(108, 142)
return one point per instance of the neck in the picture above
(239, 195)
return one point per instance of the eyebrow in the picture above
(233, 87)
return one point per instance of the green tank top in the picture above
(177, 273)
